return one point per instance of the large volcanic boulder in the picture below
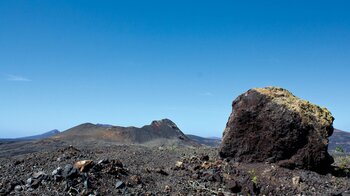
(272, 125)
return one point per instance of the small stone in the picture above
(206, 165)
(103, 161)
(160, 171)
(69, 171)
(296, 180)
(220, 194)
(304, 176)
(195, 176)
(167, 188)
(87, 183)
(195, 168)
(119, 184)
(57, 178)
(39, 175)
(17, 162)
(95, 193)
(67, 185)
(35, 183)
(205, 158)
(179, 164)
(135, 179)
(73, 191)
(29, 181)
(148, 193)
(83, 165)
(233, 186)
(57, 171)
(18, 188)
(117, 163)
(217, 177)
(227, 176)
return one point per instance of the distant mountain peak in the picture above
(163, 123)
(55, 131)
(104, 125)
(35, 137)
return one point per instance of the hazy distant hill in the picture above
(161, 131)
(210, 141)
(34, 137)
(341, 139)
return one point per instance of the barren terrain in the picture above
(152, 170)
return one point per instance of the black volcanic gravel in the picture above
(167, 170)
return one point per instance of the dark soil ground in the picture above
(166, 170)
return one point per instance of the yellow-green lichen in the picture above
(308, 112)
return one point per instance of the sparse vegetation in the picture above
(339, 149)
(253, 176)
(342, 160)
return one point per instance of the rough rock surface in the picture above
(272, 125)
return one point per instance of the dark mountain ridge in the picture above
(161, 130)
(339, 139)
(33, 137)
(207, 141)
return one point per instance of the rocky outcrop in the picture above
(272, 125)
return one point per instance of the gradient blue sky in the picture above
(126, 63)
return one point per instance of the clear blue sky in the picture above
(126, 63)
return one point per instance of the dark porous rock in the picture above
(119, 184)
(134, 180)
(29, 181)
(35, 184)
(233, 186)
(39, 176)
(57, 171)
(70, 172)
(205, 158)
(272, 125)
(103, 161)
(87, 183)
(161, 171)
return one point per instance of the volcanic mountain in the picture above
(339, 139)
(158, 132)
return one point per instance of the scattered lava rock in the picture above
(272, 125)
(119, 184)
(69, 171)
(233, 186)
(83, 165)
(199, 171)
